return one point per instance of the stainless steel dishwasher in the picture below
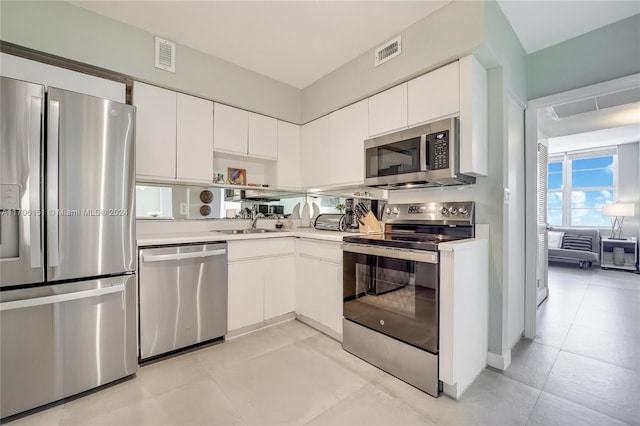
(183, 296)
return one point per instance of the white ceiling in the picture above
(295, 42)
(595, 139)
(298, 42)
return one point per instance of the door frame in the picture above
(531, 139)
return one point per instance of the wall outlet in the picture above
(183, 208)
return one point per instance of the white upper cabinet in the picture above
(263, 137)
(388, 110)
(155, 131)
(316, 156)
(288, 166)
(236, 131)
(230, 129)
(174, 135)
(434, 95)
(194, 145)
(474, 92)
(349, 130)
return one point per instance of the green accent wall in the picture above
(69, 31)
(604, 54)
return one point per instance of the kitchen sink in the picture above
(246, 231)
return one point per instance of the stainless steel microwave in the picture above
(423, 156)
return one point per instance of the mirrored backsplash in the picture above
(175, 202)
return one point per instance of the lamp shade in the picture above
(619, 209)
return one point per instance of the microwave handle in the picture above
(424, 148)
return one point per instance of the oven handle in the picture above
(404, 254)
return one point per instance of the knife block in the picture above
(370, 224)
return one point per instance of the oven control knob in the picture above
(463, 211)
(443, 210)
(395, 211)
(453, 210)
(387, 210)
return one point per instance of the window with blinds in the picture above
(579, 184)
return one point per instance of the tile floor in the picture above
(582, 369)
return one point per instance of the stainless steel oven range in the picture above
(391, 288)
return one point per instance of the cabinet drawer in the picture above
(247, 249)
(327, 250)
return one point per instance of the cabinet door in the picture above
(263, 136)
(316, 156)
(279, 285)
(288, 167)
(230, 129)
(434, 95)
(331, 282)
(309, 287)
(194, 147)
(388, 110)
(246, 294)
(349, 128)
(474, 124)
(155, 131)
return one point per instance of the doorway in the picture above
(577, 103)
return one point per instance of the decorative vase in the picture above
(305, 216)
(618, 256)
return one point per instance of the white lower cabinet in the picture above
(319, 283)
(279, 285)
(261, 281)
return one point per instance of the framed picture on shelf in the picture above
(237, 176)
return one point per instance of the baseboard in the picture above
(232, 334)
(320, 327)
(501, 362)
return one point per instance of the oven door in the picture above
(393, 291)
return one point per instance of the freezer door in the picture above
(61, 340)
(90, 186)
(21, 112)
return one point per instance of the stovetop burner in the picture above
(402, 240)
(422, 226)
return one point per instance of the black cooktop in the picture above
(413, 241)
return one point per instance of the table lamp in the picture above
(618, 211)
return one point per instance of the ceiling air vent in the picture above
(165, 55)
(597, 103)
(388, 51)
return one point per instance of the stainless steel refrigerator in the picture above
(67, 228)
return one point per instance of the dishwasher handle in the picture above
(180, 256)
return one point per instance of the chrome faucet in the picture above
(255, 219)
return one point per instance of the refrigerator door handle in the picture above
(58, 298)
(180, 256)
(53, 129)
(35, 218)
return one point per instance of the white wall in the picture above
(515, 224)
(629, 186)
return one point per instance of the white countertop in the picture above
(207, 236)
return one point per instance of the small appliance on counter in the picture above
(330, 222)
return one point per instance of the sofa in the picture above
(574, 245)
